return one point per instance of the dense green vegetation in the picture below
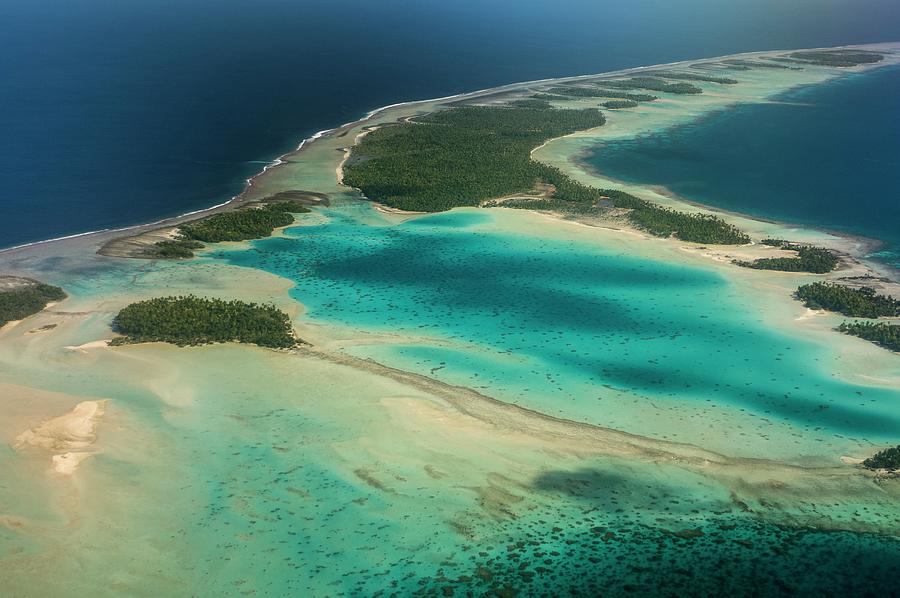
(568, 93)
(854, 302)
(576, 92)
(617, 104)
(594, 92)
(243, 224)
(550, 204)
(787, 63)
(194, 320)
(842, 58)
(889, 458)
(740, 64)
(624, 95)
(816, 260)
(251, 222)
(881, 333)
(731, 67)
(23, 301)
(697, 77)
(180, 247)
(459, 157)
(468, 155)
(697, 228)
(530, 103)
(550, 97)
(654, 84)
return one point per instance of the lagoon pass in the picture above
(555, 400)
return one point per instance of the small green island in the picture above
(697, 77)
(251, 222)
(481, 155)
(889, 458)
(860, 302)
(655, 84)
(881, 333)
(770, 63)
(815, 260)
(594, 92)
(569, 93)
(576, 92)
(550, 97)
(839, 58)
(625, 95)
(532, 102)
(618, 104)
(189, 320)
(22, 297)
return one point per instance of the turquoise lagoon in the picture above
(576, 330)
(278, 474)
(306, 487)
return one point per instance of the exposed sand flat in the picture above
(11, 283)
(98, 344)
(74, 430)
(389, 210)
(136, 246)
(70, 435)
(67, 463)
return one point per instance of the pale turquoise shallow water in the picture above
(280, 486)
(575, 330)
(251, 487)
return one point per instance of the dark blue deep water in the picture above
(828, 157)
(115, 113)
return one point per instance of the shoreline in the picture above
(109, 234)
(869, 245)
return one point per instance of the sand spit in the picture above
(69, 435)
(136, 245)
(766, 488)
(98, 344)
(502, 415)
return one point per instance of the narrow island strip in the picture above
(236, 221)
(247, 223)
(22, 297)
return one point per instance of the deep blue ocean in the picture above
(116, 113)
(824, 155)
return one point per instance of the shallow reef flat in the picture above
(582, 324)
(334, 476)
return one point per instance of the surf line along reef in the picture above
(496, 398)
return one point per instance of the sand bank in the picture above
(69, 436)
(74, 430)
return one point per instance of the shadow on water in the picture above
(574, 542)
